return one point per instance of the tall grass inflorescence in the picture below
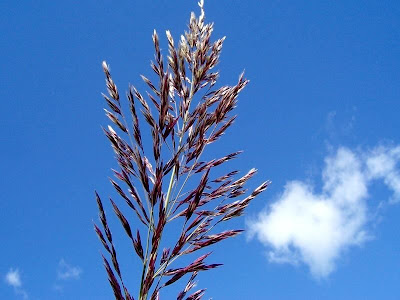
(175, 185)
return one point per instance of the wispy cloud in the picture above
(314, 228)
(382, 164)
(66, 271)
(13, 279)
(338, 125)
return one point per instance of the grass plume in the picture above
(185, 113)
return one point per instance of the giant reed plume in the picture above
(190, 114)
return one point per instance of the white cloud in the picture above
(13, 278)
(381, 164)
(66, 271)
(315, 228)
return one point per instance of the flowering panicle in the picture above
(182, 124)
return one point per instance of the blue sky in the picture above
(319, 118)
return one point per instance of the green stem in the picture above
(187, 177)
(170, 186)
(146, 258)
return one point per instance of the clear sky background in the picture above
(320, 118)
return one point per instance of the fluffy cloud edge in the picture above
(316, 228)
